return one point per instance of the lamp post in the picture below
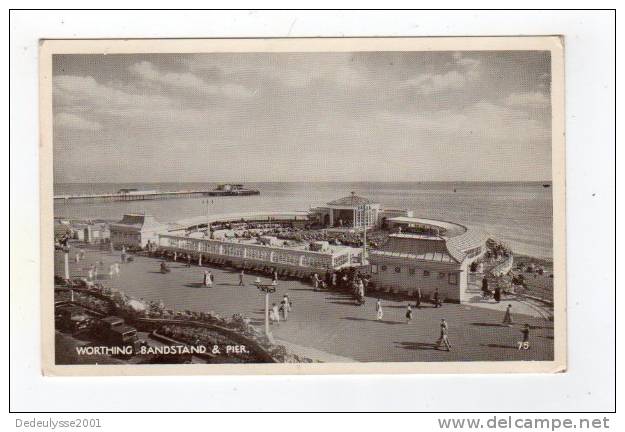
(208, 202)
(66, 261)
(364, 208)
(267, 289)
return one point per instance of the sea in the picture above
(519, 214)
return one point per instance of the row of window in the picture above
(285, 258)
(451, 277)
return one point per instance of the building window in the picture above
(383, 268)
(397, 269)
(374, 268)
(453, 278)
(441, 275)
(426, 273)
(412, 270)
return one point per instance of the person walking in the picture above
(485, 290)
(188, 260)
(379, 311)
(444, 336)
(285, 307)
(497, 294)
(275, 275)
(123, 254)
(316, 281)
(206, 278)
(507, 318)
(276, 313)
(525, 331)
(241, 275)
(408, 314)
(272, 316)
(209, 279)
(418, 299)
(111, 271)
(437, 300)
(117, 269)
(361, 290)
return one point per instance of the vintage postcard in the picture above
(309, 206)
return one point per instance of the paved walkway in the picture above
(328, 323)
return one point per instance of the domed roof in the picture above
(352, 200)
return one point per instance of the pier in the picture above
(153, 195)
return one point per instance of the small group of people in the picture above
(444, 327)
(443, 339)
(274, 277)
(114, 270)
(281, 312)
(208, 279)
(487, 293)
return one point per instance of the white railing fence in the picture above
(270, 254)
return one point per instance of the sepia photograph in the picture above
(374, 205)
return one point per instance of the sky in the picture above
(253, 117)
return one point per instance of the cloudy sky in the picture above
(394, 116)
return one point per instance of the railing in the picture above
(270, 254)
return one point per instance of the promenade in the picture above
(328, 325)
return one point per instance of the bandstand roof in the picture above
(350, 201)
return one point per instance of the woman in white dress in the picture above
(378, 309)
(275, 311)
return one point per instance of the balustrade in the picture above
(272, 254)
